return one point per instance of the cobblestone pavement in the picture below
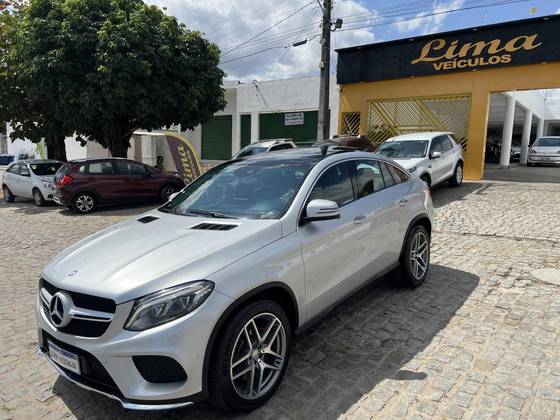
(480, 339)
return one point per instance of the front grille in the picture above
(82, 327)
(93, 374)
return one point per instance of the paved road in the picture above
(522, 173)
(480, 339)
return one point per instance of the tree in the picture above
(105, 68)
(149, 72)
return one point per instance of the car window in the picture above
(82, 169)
(14, 169)
(398, 175)
(446, 144)
(24, 170)
(284, 146)
(387, 177)
(100, 168)
(123, 167)
(45, 168)
(369, 177)
(436, 145)
(136, 169)
(334, 184)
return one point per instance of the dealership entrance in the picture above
(448, 79)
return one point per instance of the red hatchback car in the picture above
(86, 184)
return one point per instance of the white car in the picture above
(201, 297)
(545, 150)
(265, 146)
(434, 157)
(30, 179)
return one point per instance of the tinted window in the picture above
(387, 177)
(24, 170)
(436, 145)
(284, 146)
(43, 169)
(547, 142)
(369, 177)
(406, 149)
(100, 168)
(123, 167)
(136, 169)
(335, 185)
(240, 189)
(446, 144)
(251, 150)
(63, 170)
(15, 169)
(398, 175)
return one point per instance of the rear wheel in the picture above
(252, 357)
(84, 203)
(457, 177)
(166, 192)
(8, 196)
(415, 259)
(38, 198)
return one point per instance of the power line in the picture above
(268, 29)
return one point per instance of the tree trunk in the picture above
(118, 147)
(56, 148)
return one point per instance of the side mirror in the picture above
(435, 155)
(321, 210)
(172, 196)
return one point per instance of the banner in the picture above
(521, 42)
(184, 157)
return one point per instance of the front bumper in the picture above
(544, 159)
(108, 367)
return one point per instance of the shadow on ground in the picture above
(365, 340)
(443, 195)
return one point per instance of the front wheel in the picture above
(251, 358)
(415, 259)
(84, 203)
(38, 198)
(457, 177)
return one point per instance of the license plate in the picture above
(64, 358)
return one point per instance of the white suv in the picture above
(434, 157)
(262, 146)
(201, 297)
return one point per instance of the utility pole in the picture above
(323, 121)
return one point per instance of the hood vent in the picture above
(214, 226)
(147, 219)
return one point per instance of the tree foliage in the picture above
(108, 67)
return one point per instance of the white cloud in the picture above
(558, 12)
(231, 22)
(428, 21)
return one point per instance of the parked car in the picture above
(262, 146)
(434, 157)
(30, 179)
(356, 142)
(201, 297)
(83, 185)
(545, 150)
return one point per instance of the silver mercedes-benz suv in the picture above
(201, 297)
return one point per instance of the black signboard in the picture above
(513, 43)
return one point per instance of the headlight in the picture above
(412, 169)
(168, 304)
(46, 185)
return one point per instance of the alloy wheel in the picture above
(37, 198)
(85, 203)
(167, 192)
(419, 252)
(459, 174)
(258, 356)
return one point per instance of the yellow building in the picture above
(443, 82)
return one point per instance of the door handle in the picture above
(403, 202)
(358, 220)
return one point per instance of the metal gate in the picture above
(392, 117)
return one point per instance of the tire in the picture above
(410, 266)
(84, 203)
(234, 395)
(8, 196)
(457, 178)
(38, 198)
(427, 180)
(166, 191)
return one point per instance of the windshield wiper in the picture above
(215, 214)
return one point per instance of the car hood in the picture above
(411, 163)
(131, 259)
(546, 150)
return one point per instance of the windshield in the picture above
(250, 150)
(43, 169)
(548, 142)
(239, 189)
(404, 149)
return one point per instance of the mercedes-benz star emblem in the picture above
(59, 309)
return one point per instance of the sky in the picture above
(244, 28)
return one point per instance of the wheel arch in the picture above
(427, 175)
(422, 220)
(277, 292)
